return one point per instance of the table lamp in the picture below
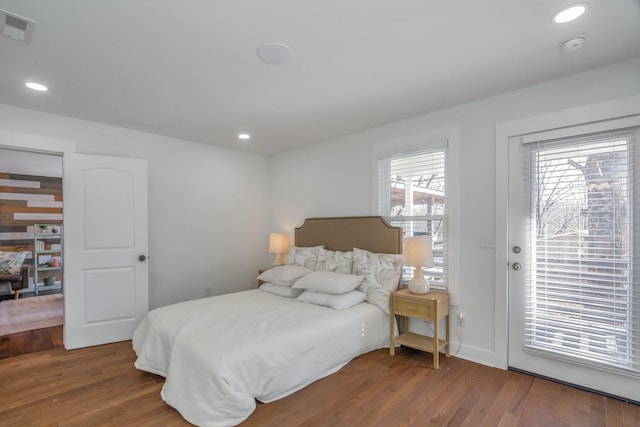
(418, 254)
(279, 245)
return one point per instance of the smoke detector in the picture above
(16, 27)
(574, 43)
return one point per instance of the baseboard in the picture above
(472, 354)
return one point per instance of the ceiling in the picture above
(189, 69)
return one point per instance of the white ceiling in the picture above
(188, 68)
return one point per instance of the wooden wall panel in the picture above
(22, 196)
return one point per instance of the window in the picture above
(412, 188)
(582, 291)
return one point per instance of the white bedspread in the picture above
(218, 354)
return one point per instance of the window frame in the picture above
(449, 137)
(407, 221)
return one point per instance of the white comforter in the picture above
(218, 354)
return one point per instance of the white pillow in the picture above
(329, 282)
(384, 269)
(337, 302)
(304, 256)
(338, 261)
(283, 291)
(283, 275)
(382, 275)
(378, 297)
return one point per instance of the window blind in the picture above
(582, 291)
(412, 195)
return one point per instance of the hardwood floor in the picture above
(99, 386)
(30, 342)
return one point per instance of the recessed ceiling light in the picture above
(244, 136)
(570, 13)
(36, 86)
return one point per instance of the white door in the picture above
(573, 298)
(105, 226)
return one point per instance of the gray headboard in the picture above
(372, 233)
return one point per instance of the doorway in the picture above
(573, 311)
(31, 204)
(95, 187)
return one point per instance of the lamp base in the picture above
(418, 285)
(278, 260)
(418, 288)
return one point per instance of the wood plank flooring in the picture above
(99, 386)
(30, 342)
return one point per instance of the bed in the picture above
(221, 354)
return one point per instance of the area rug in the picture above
(26, 314)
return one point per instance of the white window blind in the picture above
(583, 296)
(412, 195)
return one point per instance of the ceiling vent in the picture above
(16, 27)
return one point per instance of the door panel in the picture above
(115, 230)
(105, 218)
(100, 285)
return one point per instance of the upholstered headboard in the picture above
(371, 233)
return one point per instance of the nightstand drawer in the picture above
(413, 309)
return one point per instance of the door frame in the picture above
(583, 115)
(35, 143)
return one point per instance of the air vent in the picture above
(16, 27)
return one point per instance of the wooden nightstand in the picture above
(432, 306)
(262, 270)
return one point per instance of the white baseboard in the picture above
(472, 354)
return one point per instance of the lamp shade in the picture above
(278, 243)
(417, 251)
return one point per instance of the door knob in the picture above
(142, 257)
(516, 249)
(516, 266)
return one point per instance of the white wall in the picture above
(207, 233)
(208, 226)
(24, 163)
(334, 178)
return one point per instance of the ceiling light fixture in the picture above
(570, 13)
(36, 86)
(274, 53)
(244, 136)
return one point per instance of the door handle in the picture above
(516, 266)
(142, 258)
(516, 249)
